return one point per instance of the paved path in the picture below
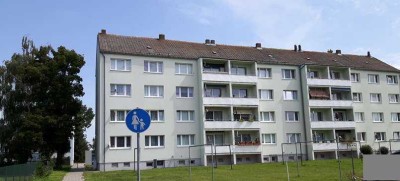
(76, 173)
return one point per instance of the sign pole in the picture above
(138, 156)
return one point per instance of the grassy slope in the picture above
(56, 175)
(311, 170)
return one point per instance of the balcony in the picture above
(332, 124)
(234, 148)
(230, 101)
(327, 145)
(218, 149)
(247, 149)
(330, 103)
(225, 77)
(231, 124)
(328, 82)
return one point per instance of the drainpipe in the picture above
(302, 103)
(104, 112)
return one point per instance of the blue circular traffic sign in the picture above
(137, 120)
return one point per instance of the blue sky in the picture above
(354, 26)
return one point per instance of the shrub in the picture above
(44, 169)
(89, 168)
(383, 150)
(366, 149)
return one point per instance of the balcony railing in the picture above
(247, 148)
(332, 145)
(234, 149)
(329, 82)
(330, 103)
(231, 124)
(332, 124)
(230, 101)
(225, 77)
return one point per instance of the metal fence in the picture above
(18, 172)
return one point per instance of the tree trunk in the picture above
(59, 160)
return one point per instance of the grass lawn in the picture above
(311, 170)
(56, 175)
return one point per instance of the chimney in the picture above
(299, 48)
(339, 52)
(207, 41)
(368, 54)
(258, 45)
(161, 37)
(330, 51)
(103, 31)
(295, 48)
(212, 42)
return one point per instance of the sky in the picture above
(353, 26)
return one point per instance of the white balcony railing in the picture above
(230, 101)
(225, 77)
(330, 103)
(231, 124)
(330, 82)
(234, 148)
(333, 124)
(334, 146)
(247, 149)
(218, 149)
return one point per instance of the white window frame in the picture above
(290, 95)
(393, 79)
(269, 94)
(359, 115)
(373, 78)
(355, 77)
(396, 135)
(159, 66)
(361, 136)
(126, 90)
(127, 142)
(236, 70)
(377, 117)
(114, 114)
(271, 136)
(393, 98)
(377, 95)
(189, 92)
(295, 115)
(357, 97)
(126, 64)
(211, 138)
(380, 136)
(159, 91)
(179, 68)
(297, 137)
(190, 114)
(292, 74)
(268, 116)
(179, 140)
(395, 116)
(266, 75)
(160, 115)
(148, 141)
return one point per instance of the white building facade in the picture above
(243, 104)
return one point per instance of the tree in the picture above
(366, 150)
(40, 93)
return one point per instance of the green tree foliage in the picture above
(383, 150)
(40, 91)
(366, 149)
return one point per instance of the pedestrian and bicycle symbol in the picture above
(137, 120)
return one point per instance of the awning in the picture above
(319, 94)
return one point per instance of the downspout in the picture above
(104, 112)
(302, 103)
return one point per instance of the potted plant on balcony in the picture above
(241, 119)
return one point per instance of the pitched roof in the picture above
(142, 46)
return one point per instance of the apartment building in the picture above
(242, 104)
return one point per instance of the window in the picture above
(316, 116)
(182, 68)
(312, 74)
(264, 72)
(396, 135)
(238, 71)
(185, 116)
(375, 97)
(293, 137)
(373, 78)
(153, 91)
(243, 117)
(213, 115)
(395, 116)
(357, 97)
(215, 139)
(156, 115)
(184, 92)
(239, 93)
(266, 94)
(380, 136)
(121, 64)
(212, 92)
(153, 141)
(288, 74)
(292, 116)
(114, 165)
(268, 138)
(118, 115)
(359, 116)
(340, 115)
(361, 136)
(120, 142)
(355, 77)
(120, 89)
(185, 140)
(393, 98)
(127, 164)
(149, 164)
(391, 79)
(289, 95)
(153, 66)
(267, 116)
(377, 117)
(334, 75)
